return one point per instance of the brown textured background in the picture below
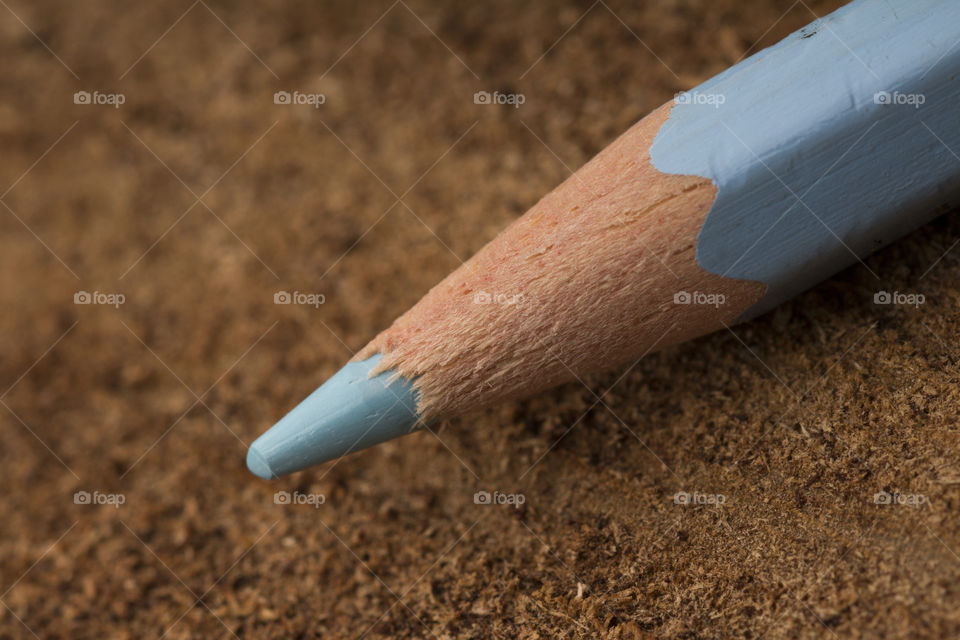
(798, 419)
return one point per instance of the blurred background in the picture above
(173, 173)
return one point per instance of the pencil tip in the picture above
(349, 412)
(258, 464)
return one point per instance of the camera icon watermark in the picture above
(96, 498)
(699, 297)
(499, 498)
(297, 97)
(896, 297)
(915, 100)
(485, 297)
(97, 297)
(686, 498)
(714, 100)
(497, 97)
(297, 297)
(96, 98)
(916, 500)
(298, 498)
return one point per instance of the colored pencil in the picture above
(730, 199)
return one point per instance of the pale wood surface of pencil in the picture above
(582, 282)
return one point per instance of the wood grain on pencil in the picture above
(536, 307)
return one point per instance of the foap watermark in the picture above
(104, 99)
(895, 97)
(98, 297)
(915, 500)
(686, 498)
(296, 498)
(297, 97)
(499, 498)
(695, 97)
(699, 297)
(485, 297)
(498, 97)
(112, 499)
(299, 297)
(899, 298)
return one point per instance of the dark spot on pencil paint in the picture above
(809, 31)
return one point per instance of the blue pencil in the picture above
(730, 199)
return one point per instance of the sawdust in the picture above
(798, 420)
